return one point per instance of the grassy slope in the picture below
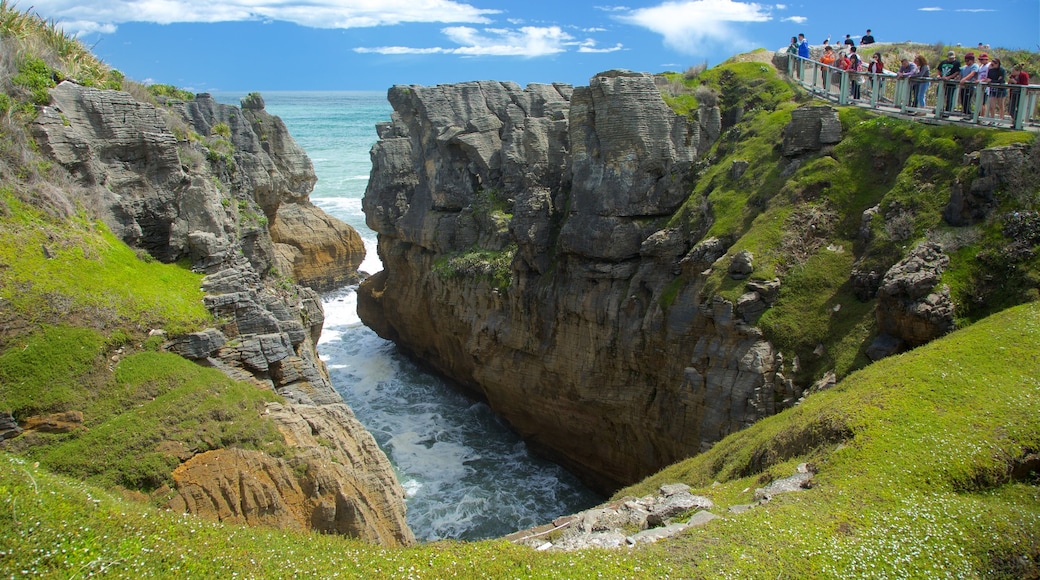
(805, 226)
(913, 457)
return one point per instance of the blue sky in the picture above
(247, 45)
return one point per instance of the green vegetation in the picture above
(914, 456)
(37, 77)
(170, 91)
(803, 223)
(494, 267)
(75, 270)
(45, 51)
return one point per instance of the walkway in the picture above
(892, 96)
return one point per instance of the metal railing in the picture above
(938, 99)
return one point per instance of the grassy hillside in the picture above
(916, 462)
(804, 226)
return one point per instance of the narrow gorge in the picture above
(559, 251)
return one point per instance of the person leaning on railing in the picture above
(996, 75)
(969, 74)
(906, 70)
(949, 70)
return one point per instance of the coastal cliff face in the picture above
(585, 258)
(227, 188)
(564, 194)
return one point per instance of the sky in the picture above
(273, 45)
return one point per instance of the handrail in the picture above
(898, 94)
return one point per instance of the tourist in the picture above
(949, 70)
(920, 86)
(981, 77)
(906, 70)
(969, 74)
(868, 38)
(855, 67)
(996, 75)
(803, 46)
(828, 56)
(792, 49)
(1019, 76)
(877, 67)
(849, 41)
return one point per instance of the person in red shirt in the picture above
(1019, 76)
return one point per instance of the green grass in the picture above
(75, 269)
(493, 267)
(155, 398)
(146, 399)
(913, 457)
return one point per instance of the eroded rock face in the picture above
(156, 190)
(173, 199)
(911, 307)
(338, 491)
(589, 344)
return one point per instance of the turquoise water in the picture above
(465, 474)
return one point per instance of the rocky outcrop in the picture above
(338, 491)
(228, 188)
(655, 517)
(911, 308)
(145, 170)
(972, 202)
(563, 193)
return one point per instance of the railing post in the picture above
(843, 88)
(940, 98)
(976, 102)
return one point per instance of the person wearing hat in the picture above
(969, 74)
(949, 70)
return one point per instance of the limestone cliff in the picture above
(576, 353)
(543, 248)
(227, 188)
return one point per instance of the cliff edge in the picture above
(627, 284)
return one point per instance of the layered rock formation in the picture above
(531, 255)
(227, 188)
(564, 193)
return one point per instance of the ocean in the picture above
(466, 475)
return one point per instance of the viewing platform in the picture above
(891, 95)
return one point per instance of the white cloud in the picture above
(795, 19)
(975, 10)
(698, 26)
(589, 46)
(79, 16)
(527, 41)
(930, 9)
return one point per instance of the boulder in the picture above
(812, 127)
(910, 306)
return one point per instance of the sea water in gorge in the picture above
(465, 474)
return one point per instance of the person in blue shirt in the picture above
(803, 51)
